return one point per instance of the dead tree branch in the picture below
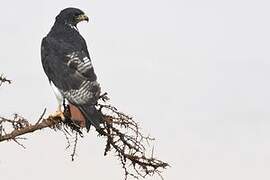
(4, 79)
(21, 126)
(121, 132)
(125, 137)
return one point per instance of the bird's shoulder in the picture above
(56, 45)
(57, 52)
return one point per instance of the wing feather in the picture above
(70, 70)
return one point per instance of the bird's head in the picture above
(71, 16)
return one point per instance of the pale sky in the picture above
(195, 74)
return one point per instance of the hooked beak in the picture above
(82, 17)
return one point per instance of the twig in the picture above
(4, 79)
(20, 144)
(49, 122)
(41, 116)
(122, 134)
(74, 147)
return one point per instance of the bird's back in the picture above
(67, 64)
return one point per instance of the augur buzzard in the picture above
(67, 64)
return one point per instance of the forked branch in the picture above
(3, 79)
(121, 132)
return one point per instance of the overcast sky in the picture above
(194, 73)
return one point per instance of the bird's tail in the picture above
(92, 116)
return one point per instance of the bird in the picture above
(68, 66)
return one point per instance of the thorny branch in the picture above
(121, 132)
(125, 137)
(4, 79)
(19, 126)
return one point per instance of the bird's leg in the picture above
(59, 113)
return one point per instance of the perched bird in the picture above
(68, 66)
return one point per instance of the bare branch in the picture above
(122, 134)
(21, 126)
(74, 147)
(125, 137)
(4, 79)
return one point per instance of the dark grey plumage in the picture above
(67, 64)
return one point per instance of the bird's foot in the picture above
(58, 114)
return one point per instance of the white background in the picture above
(194, 73)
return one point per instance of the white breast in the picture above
(57, 93)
